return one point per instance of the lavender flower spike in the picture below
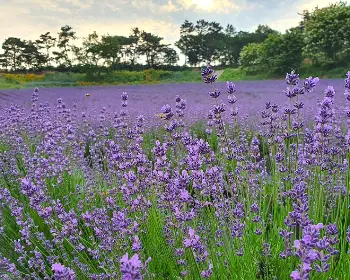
(62, 272)
(130, 268)
(347, 83)
(231, 87)
(292, 78)
(310, 83)
(208, 75)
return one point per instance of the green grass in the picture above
(113, 78)
(240, 75)
(4, 84)
(152, 76)
(334, 73)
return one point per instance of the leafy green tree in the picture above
(201, 42)
(132, 51)
(278, 54)
(185, 43)
(244, 38)
(110, 50)
(230, 51)
(262, 32)
(46, 41)
(80, 56)
(125, 45)
(65, 37)
(193, 58)
(151, 48)
(32, 58)
(291, 52)
(251, 57)
(3, 62)
(327, 34)
(170, 56)
(89, 55)
(13, 50)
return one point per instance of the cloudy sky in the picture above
(28, 19)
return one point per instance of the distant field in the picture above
(56, 79)
(114, 78)
(148, 99)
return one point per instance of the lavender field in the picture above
(148, 99)
(213, 180)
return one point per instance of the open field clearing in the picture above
(190, 181)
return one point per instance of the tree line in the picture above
(322, 38)
(96, 52)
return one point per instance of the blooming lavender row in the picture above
(98, 197)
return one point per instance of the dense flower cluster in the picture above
(103, 196)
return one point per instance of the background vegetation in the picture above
(319, 46)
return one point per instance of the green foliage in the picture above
(201, 42)
(46, 41)
(252, 57)
(109, 50)
(206, 41)
(278, 54)
(63, 77)
(334, 73)
(12, 56)
(151, 76)
(5, 84)
(283, 53)
(119, 77)
(65, 37)
(327, 33)
(240, 74)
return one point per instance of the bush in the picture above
(22, 78)
(240, 74)
(64, 77)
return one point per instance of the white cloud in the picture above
(28, 19)
(283, 24)
(169, 31)
(45, 5)
(216, 6)
(82, 4)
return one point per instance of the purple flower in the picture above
(208, 75)
(292, 78)
(347, 81)
(232, 99)
(295, 275)
(136, 245)
(332, 229)
(193, 239)
(310, 83)
(62, 273)
(124, 96)
(231, 88)
(215, 94)
(130, 268)
(57, 267)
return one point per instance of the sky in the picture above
(27, 19)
